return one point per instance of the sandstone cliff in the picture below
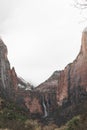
(14, 88)
(72, 83)
(51, 84)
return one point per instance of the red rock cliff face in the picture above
(6, 84)
(16, 89)
(50, 85)
(72, 82)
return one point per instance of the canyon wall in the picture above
(65, 87)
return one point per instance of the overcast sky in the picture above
(41, 35)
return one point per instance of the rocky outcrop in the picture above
(51, 84)
(6, 84)
(72, 83)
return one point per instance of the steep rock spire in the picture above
(84, 42)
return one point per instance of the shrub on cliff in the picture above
(73, 124)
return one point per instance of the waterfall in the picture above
(45, 109)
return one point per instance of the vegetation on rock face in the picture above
(73, 124)
(12, 118)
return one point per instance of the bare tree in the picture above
(82, 4)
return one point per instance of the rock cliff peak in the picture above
(2, 43)
(84, 42)
(3, 49)
(85, 29)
